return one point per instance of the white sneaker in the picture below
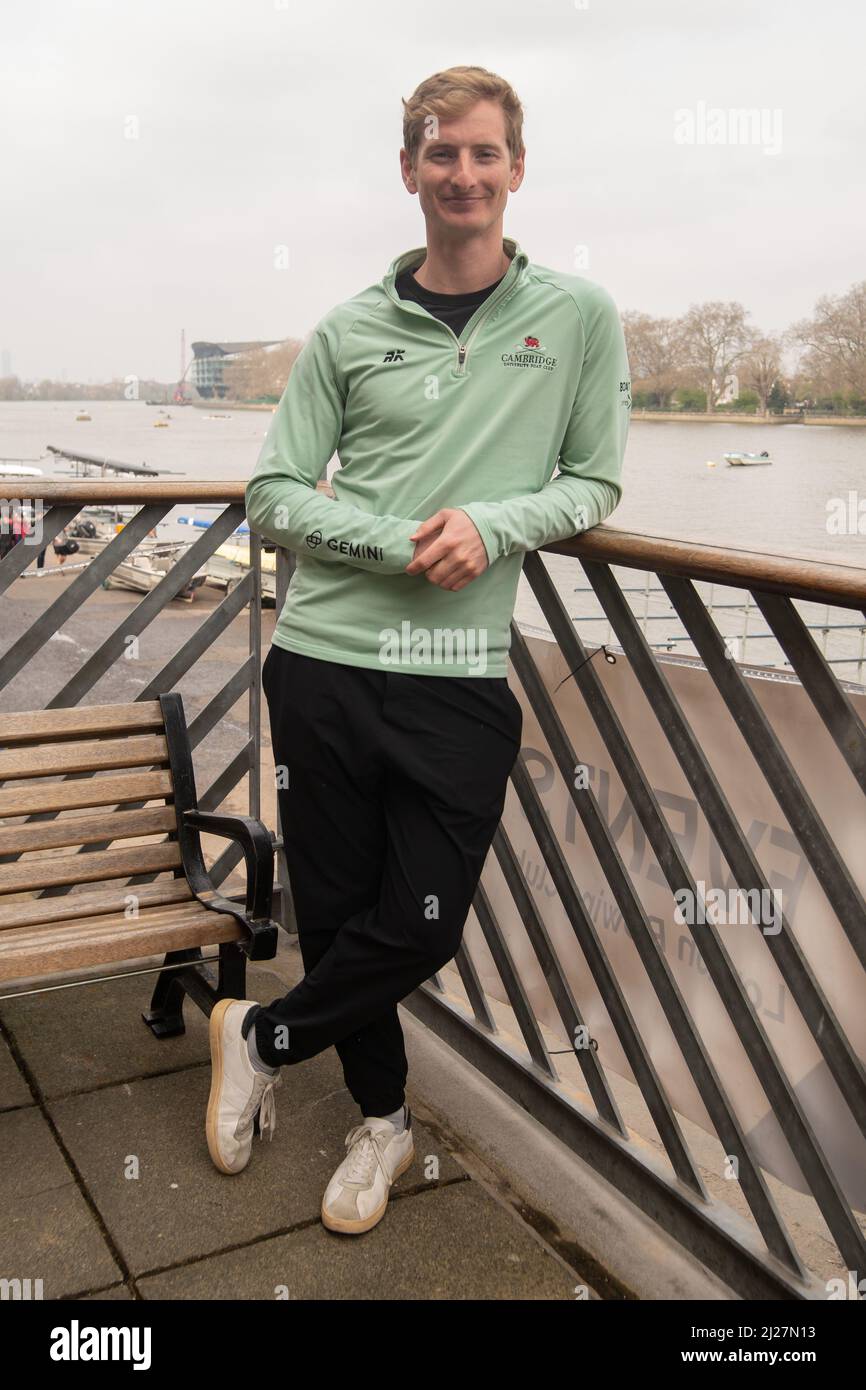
(357, 1195)
(237, 1089)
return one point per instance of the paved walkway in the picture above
(108, 1191)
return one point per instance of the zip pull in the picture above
(461, 356)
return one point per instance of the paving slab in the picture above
(181, 1207)
(454, 1242)
(93, 1035)
(48, 1231)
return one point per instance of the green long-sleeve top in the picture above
(538, 382)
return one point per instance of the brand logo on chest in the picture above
(529, 352)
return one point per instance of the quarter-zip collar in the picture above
(410, 259)
(509, 282)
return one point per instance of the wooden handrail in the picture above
(800, 577)
(820, 581)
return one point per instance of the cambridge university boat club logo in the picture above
(529, 352)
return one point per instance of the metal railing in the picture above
(678, 1199)
(676, 1195)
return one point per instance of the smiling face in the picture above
(464, 173)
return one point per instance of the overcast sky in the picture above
(271, 122)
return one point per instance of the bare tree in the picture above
(655, 353)
(716, 338)
(261, 372)
(835, 341)
(762, 367)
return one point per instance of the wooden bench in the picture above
(126, 773)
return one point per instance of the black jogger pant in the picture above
(396, 784)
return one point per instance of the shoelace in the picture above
(261, 1099)
(268, 1111)
(364, 1146)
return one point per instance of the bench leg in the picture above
(165, 1016)
(233, 971)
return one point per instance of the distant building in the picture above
(209, 359)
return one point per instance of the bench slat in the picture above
(36, 726)
(51, 752)
(77, 905)
(86, 927)
(45, 760)
(30, 874)
(86, 830)
(91, 791)
(23, 952)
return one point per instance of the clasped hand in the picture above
(448, 550)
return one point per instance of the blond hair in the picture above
(451, 93)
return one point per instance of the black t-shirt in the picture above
(454, 309)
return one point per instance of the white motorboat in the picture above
(143, 570)
(743, 460)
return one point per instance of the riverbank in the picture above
(728, 417)
(232, 405)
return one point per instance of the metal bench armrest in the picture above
(258, 847)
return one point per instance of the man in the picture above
(450, 390)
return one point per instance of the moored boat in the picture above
(744, 460)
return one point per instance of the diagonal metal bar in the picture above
(828, 866)
(609, 989)
(219, 704)
(781, 1095)
(204, 637)
(554, 977)
(228, 779)
(227, 861)
(695, 1055)
(472, 985)
(838, 713)
(512, 983)
(79, 590)
(134, 622)
(817, 1012)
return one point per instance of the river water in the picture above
(668, 489)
